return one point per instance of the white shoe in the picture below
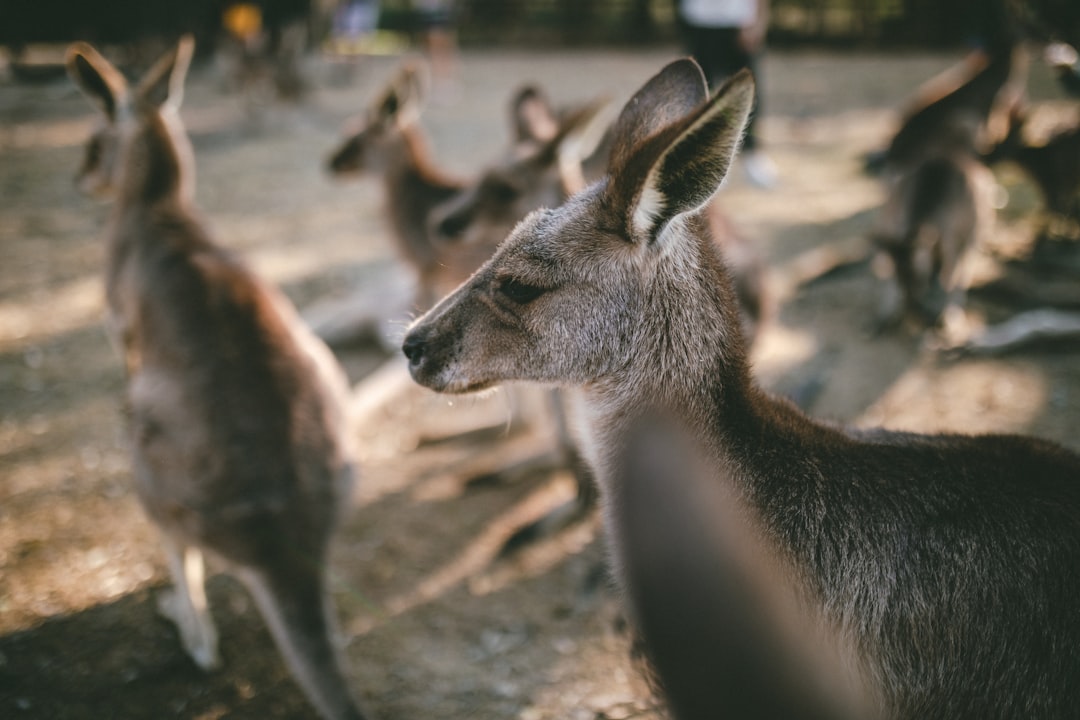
(760, 169)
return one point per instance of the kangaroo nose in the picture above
(413, 347)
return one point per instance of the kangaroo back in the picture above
(237, 418)
(957, 121)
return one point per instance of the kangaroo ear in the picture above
(679, 167)
(404, 96)
(164, 82)
(97, 78)
(532, 116)
(579, 132)
(666, 98)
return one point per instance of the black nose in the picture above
(413, 347)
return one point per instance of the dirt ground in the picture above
(436, 624)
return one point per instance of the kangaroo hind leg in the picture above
(185, 604)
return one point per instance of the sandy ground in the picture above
(435, 623)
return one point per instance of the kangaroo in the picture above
(542, 169)
(936, 560)
(934, 218)
(236, 412)
(952, 119)
(938, 194)
(387, 138)
(1054, 166)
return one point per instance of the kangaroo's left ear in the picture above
(532, 118)
(163, 83)
(679, 168)
(97, 78)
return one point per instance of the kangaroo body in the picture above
(237, 419)
(936, 560)
(939, 194)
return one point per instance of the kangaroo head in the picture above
(542, 170)
(124, 110)
(595, 288)
(370, 135)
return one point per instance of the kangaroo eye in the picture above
(519, 292)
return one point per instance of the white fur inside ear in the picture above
(650, 206)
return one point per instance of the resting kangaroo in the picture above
(237, 418)
(942, 563)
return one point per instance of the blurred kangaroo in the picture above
(968, 111)
(237, 418)
(542, 169)
(938, 561)
(387, 139)
(934, 218)
(1054, 165)
(939, 196)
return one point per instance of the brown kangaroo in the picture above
(936, 561)
(387, 139)
(939, 195)
(1054, 166)
(934, 218)
(237, 419)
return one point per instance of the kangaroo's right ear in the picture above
(97, 78)
(532, 116)
(678, 167)
(577, 136)
(164, 82)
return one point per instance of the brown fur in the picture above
(237, 416)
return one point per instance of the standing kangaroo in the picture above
(942, 563)
(939, 194)
(387, 139)
(237, 418)
(934, 219)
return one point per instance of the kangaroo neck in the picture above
(413, 187)
(157, 164)
(692, 366)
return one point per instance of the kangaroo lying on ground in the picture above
(940, 563)
(237, 417)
